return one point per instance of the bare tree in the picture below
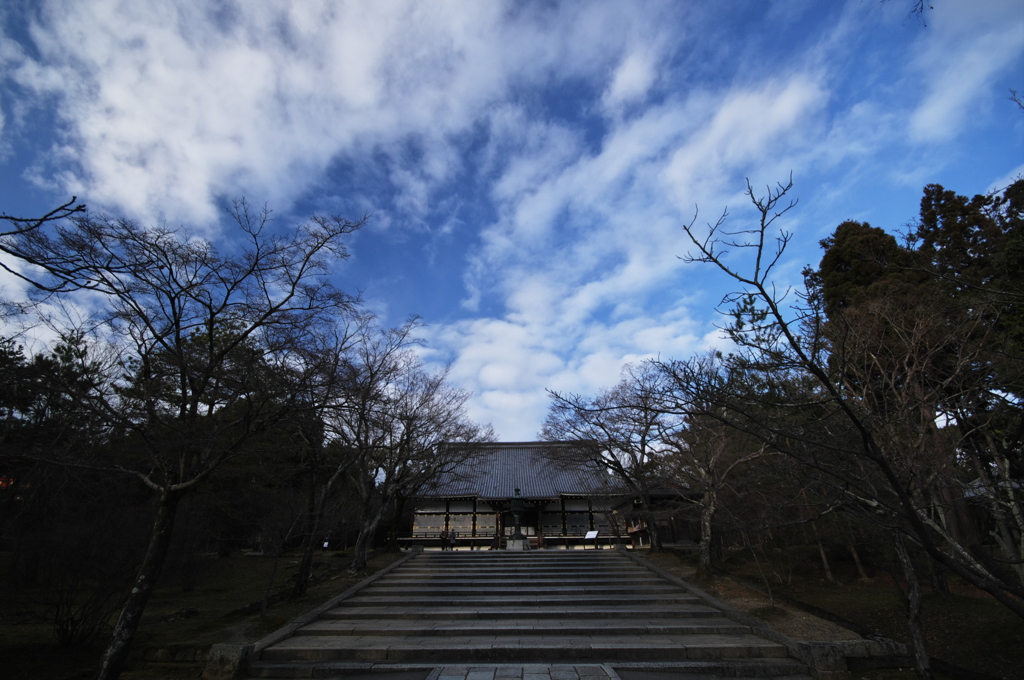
(397, 423)
(206, 349)
(21, 228)
(706, 452)
(917, 9)
(326, 459)
(628, 432)
(863, 419)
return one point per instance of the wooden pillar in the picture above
(565, 525)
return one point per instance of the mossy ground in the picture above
(175, 618)
(967, 627)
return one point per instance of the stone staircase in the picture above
(549, 607)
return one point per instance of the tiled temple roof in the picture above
(537, 469)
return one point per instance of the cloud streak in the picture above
(530, 162)
(168, 108)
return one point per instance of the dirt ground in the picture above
(175, 621)
(965, 628)
(787, 619)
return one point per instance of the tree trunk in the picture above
(309, 544)
(313, 540)
(396, 522)
(309, 551)
(921, 659)
(821, 551)
(305, 566)
(707, 513)
(764, 579)
(1004, 538)
(856, 560)
(366, 534)
(270, 585)
(127, 624)
(652, 528)
(938, 577)
(852, 544)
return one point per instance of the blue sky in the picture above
(528, 165)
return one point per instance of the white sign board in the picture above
(590, 535)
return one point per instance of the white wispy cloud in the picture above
(632, 79)
(168, 108)
(973, 46)
(578, 253)
(586, 133)
(512, 362)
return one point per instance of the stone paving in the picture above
(527, 672)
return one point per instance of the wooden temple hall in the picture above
(561, 501)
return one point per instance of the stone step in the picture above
(473, 580)
(453, 627)
(554, 559)
(543, 553)
(518, 564)
(734, 669)
(508, 612)
(511, 556)
(538, 556)
(520, 600)
(519, 568)
(531, 590)
(567, 576)
(514, 608)
(470, 648)
(623, 562)
(521, 564)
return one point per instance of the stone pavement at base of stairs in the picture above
(525, 672)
